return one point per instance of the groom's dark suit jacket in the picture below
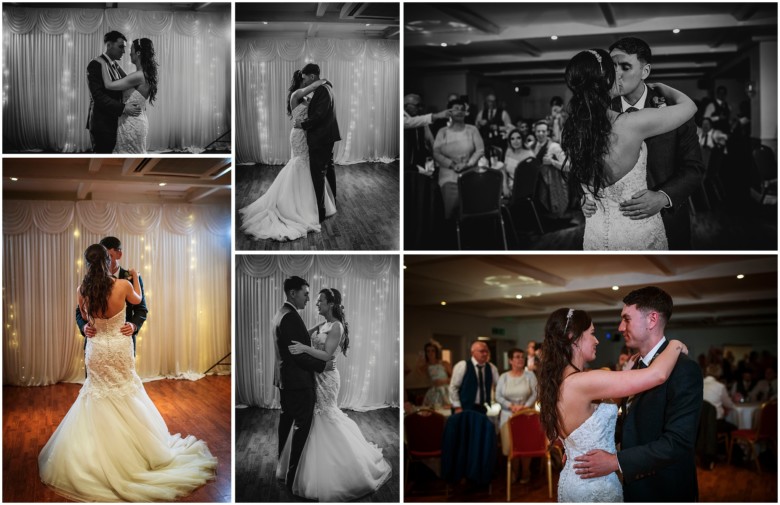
(296, 370)
(321, 126)
(657, 454)
(674, 166)
(105, 107)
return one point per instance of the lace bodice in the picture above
(132, 130)
(608, 229)
(134, 96)
(328, 383)
(298, 135)
(597, 432)
(109, 360)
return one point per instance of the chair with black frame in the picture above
(524, 187)
(765, 182)
(480, 197)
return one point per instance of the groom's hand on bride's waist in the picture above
(644, 204)
(132, 109)
(127, 329)
(595, 463)
(329, 365)
(297, 124)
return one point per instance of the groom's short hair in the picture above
(113, 36)
(294, 283)
(651, 298)
(311, 68)
(111, 243)
(633, 45)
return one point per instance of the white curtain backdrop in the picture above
(46, 95)
(370, 288)
(182, 253)
(365, 76)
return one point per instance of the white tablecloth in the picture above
(743, 416)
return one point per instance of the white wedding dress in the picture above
(337, 464)
(288, 210)
(597, 432)
(609, 230)
(132, 130)
(113, 444)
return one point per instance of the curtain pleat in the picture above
(183, 258)
(370, 289)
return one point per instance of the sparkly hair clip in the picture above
(597, 55)
(568, 320)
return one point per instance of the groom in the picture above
(674, 164)
(294, 374)
(322, 131)
(656, 456)
(105, 106)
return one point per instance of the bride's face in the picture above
(587, 344)
(323, 306)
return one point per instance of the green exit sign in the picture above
(499, 331)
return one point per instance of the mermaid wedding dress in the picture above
(609, 230)
(113, 444)
(337, 463)
(597, 432)
(288, 210)
(132, 130)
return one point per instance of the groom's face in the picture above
(308, 79)
(629, 71)
(300, 298)
(115, 50)
(115, 255)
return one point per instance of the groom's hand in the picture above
(132, 109)
(89, 330)
(329, 366)
(297, 124)
(127, 329)
(644, 204)
(595, 463)
(588, 207)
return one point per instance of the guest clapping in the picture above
(439, 373)
(473, 380)
(516, 390)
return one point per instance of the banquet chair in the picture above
(424, 431)
(524, 187)
(480, 197)
(766, 429)
(527, 440)
(766, 167)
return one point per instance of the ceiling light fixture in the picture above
(443, 44)
(554, 37)
(443, 303)
(740, 276)
(14, 179)
(519, 297)
(265, 22)
(368, 24)
(676, 30)
(162, 184)
(615, 288)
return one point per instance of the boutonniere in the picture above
(659, 102)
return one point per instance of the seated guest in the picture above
(439, 372)
(516, 390)
(554, 192)
(516, 152)
(716, 394)
(473, 381)
(524, 128)
(766, 389)
(412, 109)
(457, 148)
(742, 390)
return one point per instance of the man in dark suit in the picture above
(674, 163)
(657, 453)
(106, 106)
(322, 131)
(135, 315)
(294, 375)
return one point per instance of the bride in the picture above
(139, 87)
(113, 444)
(337, 463)
(607, 154)
(288, 210)
(567, 399)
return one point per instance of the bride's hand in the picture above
(631, 362)
(133, 273)
(296, 348)
(676, 343)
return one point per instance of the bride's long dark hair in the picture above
(332, 295)
(97, 283)
(295, 84)
(585, 138)
(148, 65)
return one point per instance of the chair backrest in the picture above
(424, 430)
(480, 192)
(526, 175)
(765, 161)
(527, 436)
(767, 420)
(497, 152)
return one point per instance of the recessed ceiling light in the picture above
(554, 37)
(443, 44)
(14, 179)
(519, 297)
(265, 22)
(443, 302)
(368, 24)
(615, 288)
(676, 30)
(162, 184)
(740, 276)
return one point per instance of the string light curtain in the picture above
(365, 77)
(182, 253)
(46, 93)
(370, 289)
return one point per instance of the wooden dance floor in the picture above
(256, 450)
(366, 198)
(31, 414)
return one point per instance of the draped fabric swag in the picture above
(365, 76)
(370, 287)
(46, 95)
(181, 251)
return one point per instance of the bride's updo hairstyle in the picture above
(590, 76)
(295, 84)
(148, 65)
(563, 330)
(332, 295)
(97, 282)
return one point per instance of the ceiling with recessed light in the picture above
(705, 288)
(516, 39)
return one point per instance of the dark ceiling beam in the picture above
(604, 299)
(513, 265)
(468, 16)
(663, 264)
(322, 8)
(744, 11)
(391, 31)
(200, 6)
(609, 14)
(527, 47)
(742, 53)
(439, 55)
(720, 41)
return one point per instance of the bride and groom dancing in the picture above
(322, 453)
(117, 120)
(632, 150)
(113, 444)
(304, 192)
(662, 397)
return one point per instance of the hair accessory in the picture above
(597, 55)
(568, 320)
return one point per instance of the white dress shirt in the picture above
(411, 122)
(459, 371)
(716, 394)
